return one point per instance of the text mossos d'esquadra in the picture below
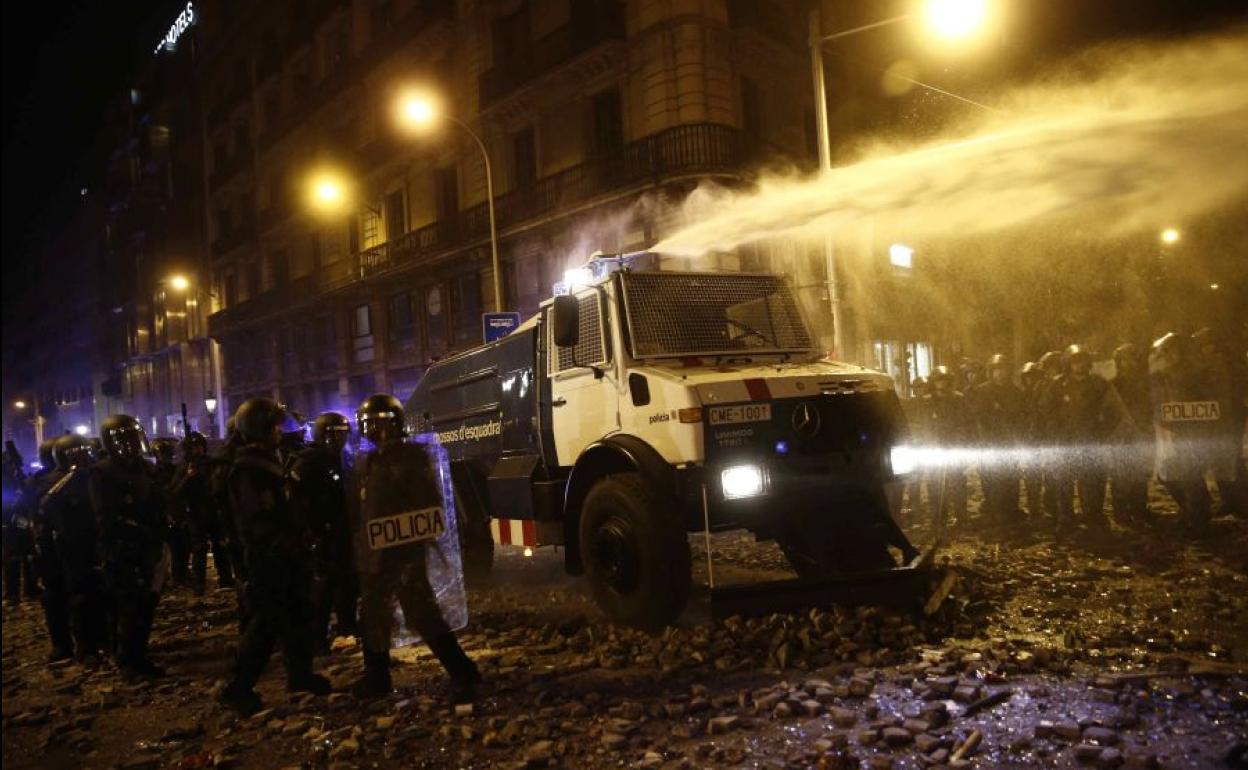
(471, 432)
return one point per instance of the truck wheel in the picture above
(635, 552)
(476, 544)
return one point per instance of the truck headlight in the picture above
(740, 481)
(904, 459)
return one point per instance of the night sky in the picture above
(63, 61)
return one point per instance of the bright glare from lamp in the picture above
(328, 191)
(577, 277)
(19, 404)
(82, 430)
(417, 109)
(1214, 286)
(1170, 236)
(955, 19)
(741, 481)
(904, 460)
(528, 551)
(901, 255)
(179, 283)
(210, 404)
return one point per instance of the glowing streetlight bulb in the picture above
(1170, 236)
(328, 191)
(956, 19)
(179, 283)
(19, 404)
(82, 430)
(416, 110)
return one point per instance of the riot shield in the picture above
(444, 561)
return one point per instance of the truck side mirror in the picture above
(639, 389)
(566, 320)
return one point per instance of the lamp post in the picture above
(181, 283)
(36, 418)
(948, 19)
(418, 111)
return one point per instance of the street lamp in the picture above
(947, 19)
(1170, 236)
(36, 418)
(417, 110)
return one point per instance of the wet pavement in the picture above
(1124, 649)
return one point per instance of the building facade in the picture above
(595, 114)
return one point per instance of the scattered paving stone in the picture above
(896, 736)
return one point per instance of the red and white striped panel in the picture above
(514, 531)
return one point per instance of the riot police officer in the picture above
(196, 506)
(321, 495)
(1044, 429)
(998, 409)
(1226, 380)
(275, 548)
(65, 453)
(919, 434)
(1183, 431)
(177, 527)
(130, 507)
(20, 504)
(1088, 414)
(66, 512)
(1131, 464)
(219, 470)
(946, 418)
(1030, 379)
(392, 478)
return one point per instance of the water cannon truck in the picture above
(640, 410)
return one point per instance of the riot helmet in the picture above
(941, 379)
(47, 460)
(1205, 341)
(1078, 361)
(123, 437)
(972, 371)
(164, 448)
(1168, 353)
(1031, 373)
(1052, 363)
(194, 445)
(1126, 359)
(920, 387)
(380, 418)
(331, 430)
(69, 450)
(260, 421)
(999, 368)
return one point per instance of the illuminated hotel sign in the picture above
(179, 26)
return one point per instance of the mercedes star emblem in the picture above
(806, 420)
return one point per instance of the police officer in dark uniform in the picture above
(392, 478)
(1226, 380)
(130, 509)
(1030, 378)
(1088, 415)
(1132, 459)
(278, 559)
(1183, 429)
(66, 512)
(947, 420)
(65, 453)
(998, 408)
(196, 505)
(20, 506)
(1044, 429)
(219, 470)
(919, 435)
(178, 527)
(321, 496)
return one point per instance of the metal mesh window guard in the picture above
(691, 314)
(589, 350)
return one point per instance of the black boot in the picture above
(376, 682)
(243, 700)
(309, 682)
(463, 672)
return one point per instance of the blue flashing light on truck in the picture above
(641, 406)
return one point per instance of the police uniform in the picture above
(55, 597)
(197, 507)
(394, 478)
(1088, 412)
(67, 511)
(945, 414)
(130, 508)
(278, 570)
(1133, 456)
(998, 410)
(320, 489)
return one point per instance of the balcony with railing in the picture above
(680, 152)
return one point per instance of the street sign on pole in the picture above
(495, 326)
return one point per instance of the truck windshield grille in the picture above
(688, 314)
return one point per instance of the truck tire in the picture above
(635, 552)
(476, 544)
